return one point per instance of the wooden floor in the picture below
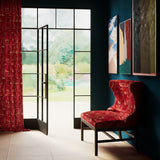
(62, 143)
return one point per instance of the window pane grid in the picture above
(29, 39)
(29, 62)
(29, 17)
(82, 52)
(81, 33)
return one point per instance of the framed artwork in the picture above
(125, 47)
(144, 37)
(112, 51)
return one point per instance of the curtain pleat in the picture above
(11, 99)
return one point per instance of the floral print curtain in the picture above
(11, 102)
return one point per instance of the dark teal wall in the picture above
(149, 129)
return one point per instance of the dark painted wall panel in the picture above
(149, 130)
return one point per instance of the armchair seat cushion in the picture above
(107, 118)
(125, 110)
(121, 116)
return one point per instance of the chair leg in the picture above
(120, 135)
(136, 141)
(82, 132)
(96, 143)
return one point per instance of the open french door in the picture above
(42, 79)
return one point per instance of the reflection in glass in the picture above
(29, 62)
(44, 111)
(40, 109)
(40, 62)
(29, 17)
(82, 84)
(64, 18)
(40, 84)
(40, 39)
(29, 84)
(82, 62)
(29, 107)
(44, 62)
(82, 104)
(82, 18)
(29, 39)
(44, 89)
(44, 38)
(46, 16)
(82, 40)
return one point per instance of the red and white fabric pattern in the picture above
(125, 109)
(11, 100)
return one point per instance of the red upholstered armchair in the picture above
(121, 116)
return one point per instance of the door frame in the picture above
(42, 124)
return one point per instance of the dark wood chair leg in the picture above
(136, 140)
(82, 132)
(120, 135)
(96, 143)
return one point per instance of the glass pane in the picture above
(40, 85)
(44, 89)
(44, 31)
(40, 39)
(46, 17)
(44, 111)
(44, 77)
(29, 107)
(82, 104)
(44, 62)
(64, 18)
(82, 40)
(44, 38)
(82, 18)
(40, 62)
(82, 62)
(40, 109)
(29, 17)
(29, 39)
(29, 84)
(29, 62)
(60, 46)
(82, 84)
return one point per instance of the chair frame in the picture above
(104, 130)
(136, 92)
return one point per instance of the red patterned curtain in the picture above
(11, 104)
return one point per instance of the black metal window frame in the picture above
(74, 29)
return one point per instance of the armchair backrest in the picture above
(127, 97)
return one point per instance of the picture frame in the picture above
(125, 47)
(144, 37)
(113, 45)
